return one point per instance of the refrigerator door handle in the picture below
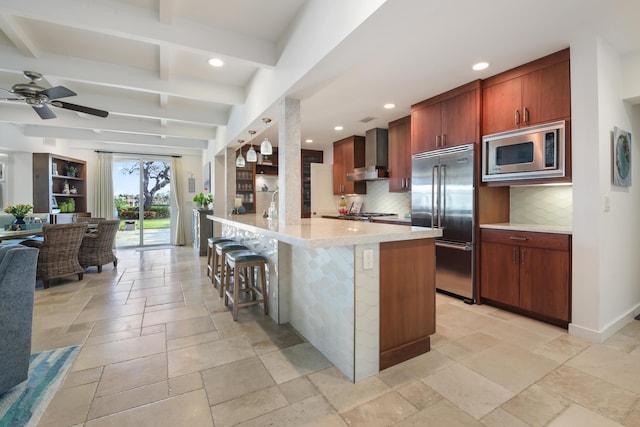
(442, 175)
(459, 247)
(433, 189)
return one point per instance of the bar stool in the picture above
(211, 241)
(249, 260)
(218, 273)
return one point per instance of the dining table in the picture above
(21, 234)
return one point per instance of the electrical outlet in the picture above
(367, 259)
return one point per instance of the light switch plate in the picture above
(367, 259)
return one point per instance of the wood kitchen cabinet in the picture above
(447, 120)
(407, 299)
(348, 154)
(534, 93)
(400, 155)
(527, 271)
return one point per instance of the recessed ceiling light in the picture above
(308, 141)
(389, 106)
(216, 62)
(480, 66)
(338, 128)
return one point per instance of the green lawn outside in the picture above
(151, 223)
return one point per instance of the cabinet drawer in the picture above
(527, 238)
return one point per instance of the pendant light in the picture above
(252, 157)
(240, 160)
(265, 148)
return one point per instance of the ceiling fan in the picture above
(40, 98)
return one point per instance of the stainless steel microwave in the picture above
(534, 152)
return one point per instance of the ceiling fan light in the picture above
(265, 148)
(252, 156)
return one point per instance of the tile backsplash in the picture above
(379, 199)
(544, 205)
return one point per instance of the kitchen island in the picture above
(362, 293)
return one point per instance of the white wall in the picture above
(605, 294)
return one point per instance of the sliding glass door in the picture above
(142, 194)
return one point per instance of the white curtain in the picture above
(103, 198)
(177, 193)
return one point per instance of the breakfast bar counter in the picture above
(325, 232)
(362, 293)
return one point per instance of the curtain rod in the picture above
(138, 154)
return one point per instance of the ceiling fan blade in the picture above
(11, 99)
(80, 108)
(57, 92)
(44, 112)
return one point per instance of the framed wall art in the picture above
(621, 157)
(3, 171)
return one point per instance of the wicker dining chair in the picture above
(58, 256)
(88, 219)
(97, 247)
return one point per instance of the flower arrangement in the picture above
(202, 199)
(18, 210)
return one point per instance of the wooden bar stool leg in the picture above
(214, 265)
(226, 284)
(236, 292)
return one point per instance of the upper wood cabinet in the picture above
(400, 155)
(534, 93)
(447, 120)
(348, 154)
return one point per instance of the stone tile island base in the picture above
(362, 320)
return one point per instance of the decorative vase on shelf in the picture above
(19, 220)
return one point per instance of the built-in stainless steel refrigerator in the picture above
(442, 196)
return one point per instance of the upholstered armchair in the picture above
(97, 247)
(17, 285)
(58, 255)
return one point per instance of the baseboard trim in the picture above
(606, 332)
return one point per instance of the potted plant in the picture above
(19, 212)
(202, 200)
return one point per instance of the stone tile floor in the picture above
(160, 349)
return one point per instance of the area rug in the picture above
(24, 404)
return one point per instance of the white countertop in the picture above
(323, 232)
(541, 228)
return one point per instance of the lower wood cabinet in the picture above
(407, 299)
(527, 271)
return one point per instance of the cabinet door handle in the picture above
(513, 256)
(518, 238)
(522, 252)
(517, 117)
(525, 114)
(437, 143)
(443, 140)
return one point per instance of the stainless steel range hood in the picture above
(376, 157)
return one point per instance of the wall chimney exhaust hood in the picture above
(376, 157)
